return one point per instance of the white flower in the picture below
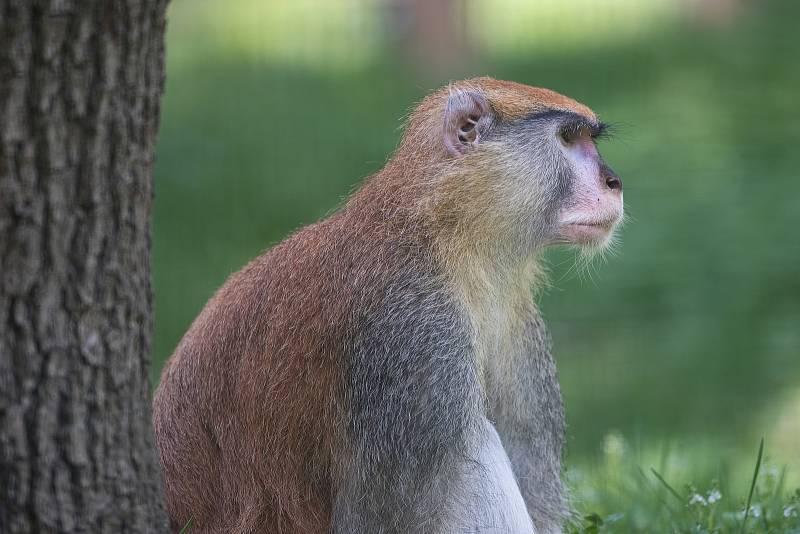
(755, 510)
(697, 499)
(789, 511)
(771, 472)
(714, 496)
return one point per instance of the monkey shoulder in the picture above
(409, 357)
(412, 398)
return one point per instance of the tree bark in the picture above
(80, 83)
(430, 33)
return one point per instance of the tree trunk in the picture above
(80, 83)
(430, 33)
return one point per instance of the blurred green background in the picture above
(681, 350)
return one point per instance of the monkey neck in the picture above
(499, 302)
(495, 290)
(418, 198)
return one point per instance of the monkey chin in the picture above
(589, 238)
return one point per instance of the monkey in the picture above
(386, 369)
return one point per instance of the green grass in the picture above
(688, 340)
(631, 499)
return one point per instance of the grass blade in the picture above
(187, 526)
(666, 485)
(779, 487)
(752, 486)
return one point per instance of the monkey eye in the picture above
(572, 132)
(568, 134)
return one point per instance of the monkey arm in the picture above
(413, 408)
(490, 498)
(528, 413)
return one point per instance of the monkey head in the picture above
(521, 169)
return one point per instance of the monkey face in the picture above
(527, 170)
(593, 205)
(551, 185)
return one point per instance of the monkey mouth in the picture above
(587, 232)
(605, 226)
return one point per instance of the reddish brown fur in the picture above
(249, 408)
(244, 413)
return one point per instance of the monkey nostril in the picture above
(612, 182)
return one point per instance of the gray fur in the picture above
(414, 406)
(424, 453)
(528, 413)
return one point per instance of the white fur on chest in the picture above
(490, 500)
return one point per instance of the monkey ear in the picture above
(467, 119)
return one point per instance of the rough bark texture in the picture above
(80, 83)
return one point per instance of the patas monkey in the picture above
(385, 370)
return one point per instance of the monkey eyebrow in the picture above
(572, 123)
